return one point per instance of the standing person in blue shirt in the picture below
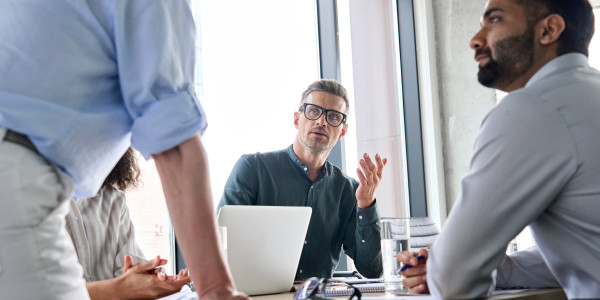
(344, 212)
(536, 161)
(80, 82)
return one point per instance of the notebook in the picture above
(264, 244)
(363, 287)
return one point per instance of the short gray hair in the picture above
(329, 86)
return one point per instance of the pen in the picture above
(406, 267)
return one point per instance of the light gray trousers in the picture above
(37, 258)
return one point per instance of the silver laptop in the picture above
(264, 244)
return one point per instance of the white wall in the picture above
(463, 102)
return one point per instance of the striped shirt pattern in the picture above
(102, 234)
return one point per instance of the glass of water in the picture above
(395, 233)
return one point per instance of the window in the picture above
(148, 212)
(256, 56)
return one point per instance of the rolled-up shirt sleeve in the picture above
(155, 49)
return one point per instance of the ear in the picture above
(552, 26)
(296, 119)
(344, 130)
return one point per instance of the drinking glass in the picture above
(395, 233)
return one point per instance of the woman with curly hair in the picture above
(104, 238)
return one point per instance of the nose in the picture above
(478, 40)
(322, 120)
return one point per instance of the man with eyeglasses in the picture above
(344, 211)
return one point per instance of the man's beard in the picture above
(514, 56)
(316, 146)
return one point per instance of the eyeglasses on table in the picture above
(327, 288)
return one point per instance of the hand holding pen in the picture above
(414, 270)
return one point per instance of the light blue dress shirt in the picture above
(85, 79)
(536, 162)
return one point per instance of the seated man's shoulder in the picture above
(263, 156)
(339, 175)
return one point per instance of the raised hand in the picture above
(369, 178)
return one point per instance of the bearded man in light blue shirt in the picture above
(536, 161)
(80, 82)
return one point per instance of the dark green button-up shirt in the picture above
(279, 178)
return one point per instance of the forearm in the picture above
(185, 178)
(368, 243)
(103, 290)
(525, 269)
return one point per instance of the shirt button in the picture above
(360, 217)
(363, 241)
(300, 271)
(305, 242)
(305, 169)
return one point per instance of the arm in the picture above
(185, 178)
(523, 158)
(154, 42)
(362, 241)
(525, 269)
(137, 282)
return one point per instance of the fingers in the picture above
(127, 263)
(149, 266)
(414, 281)
(373, 171)
(361, 176)
(369, 168)
(160, 273)
(380, 164)
(418, 289)
(407, 257)
(183, 273)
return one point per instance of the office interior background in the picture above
(407, 66)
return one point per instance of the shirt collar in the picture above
(565, 61)
(305, 168)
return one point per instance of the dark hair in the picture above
(126, 173)
(329, 86)
(579, 21)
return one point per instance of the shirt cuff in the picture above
(167, 123)
(367, 216)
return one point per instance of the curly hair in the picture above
(125, 175)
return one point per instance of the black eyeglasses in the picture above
(327, 288)
(333, 117)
